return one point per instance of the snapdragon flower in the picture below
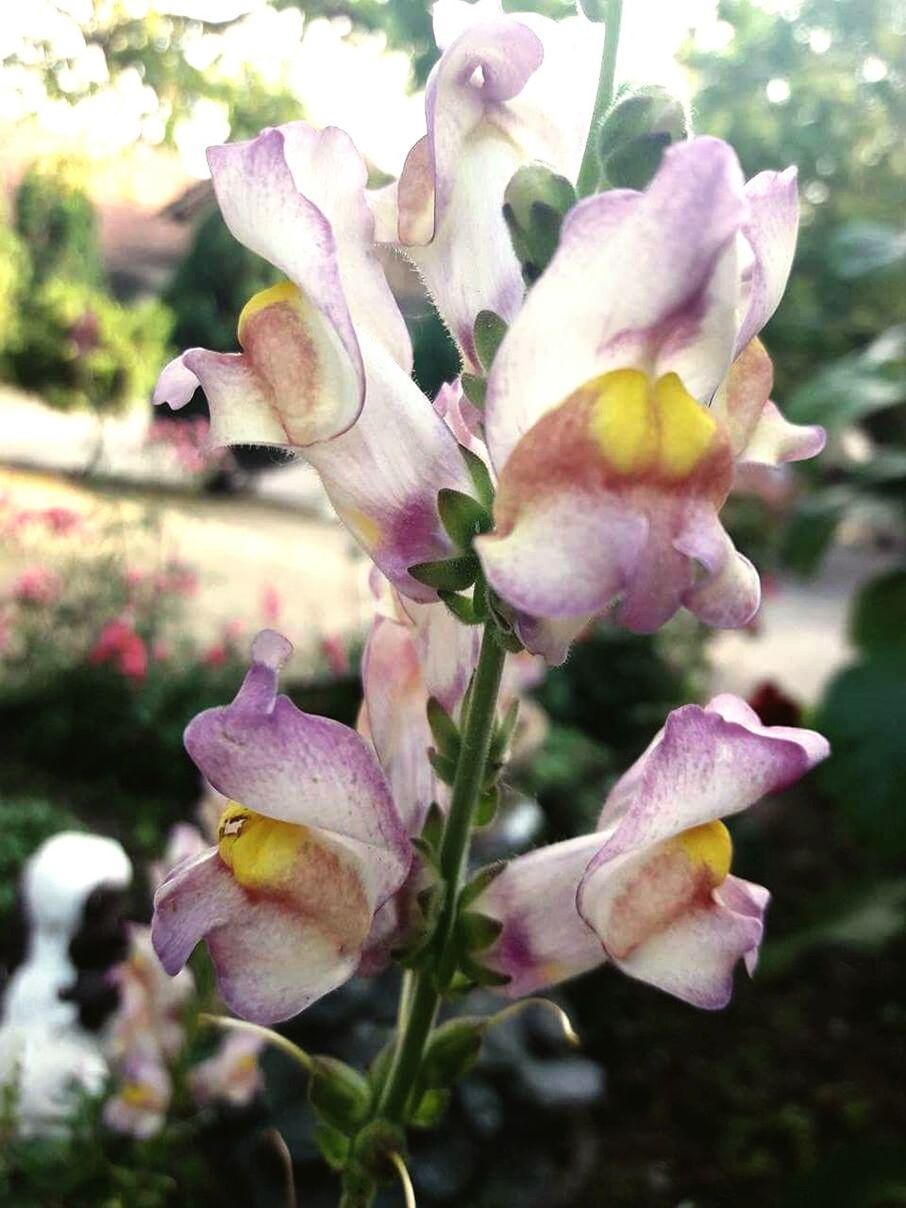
(651, 889)
(310, 846)
(326, 359)
(624, 393)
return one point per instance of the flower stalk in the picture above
(453, 856)
(590, 171)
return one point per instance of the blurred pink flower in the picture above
(37, 585)
(334, 650)
(232, 1075)
(161, 652)
(118, 643)
(61, 520)
(271, 605)
(234, 630)
(215, 656)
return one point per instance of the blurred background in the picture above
(135, 566)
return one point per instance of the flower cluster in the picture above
(612, 382)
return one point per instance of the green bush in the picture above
(15, 275)
(78, 347)
(56, 219)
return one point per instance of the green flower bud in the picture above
(339, 1094)
(637, 131)
(453, 1049)
(534, 206)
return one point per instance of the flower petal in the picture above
(497, 99)
(264, 753)
(242, 410)
(770, 231)
(693, 955)
(634, 274)
(272, 957)
(759, 434)
(544, 940)
(383, 475)
(395, 703)
(265, 211)
(705, 764)
(616, 492)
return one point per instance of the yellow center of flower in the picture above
(260, 852)
(642, 426)
(137, 1094)
(676, 876)
(709, 847)
(283, 291)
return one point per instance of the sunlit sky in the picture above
(346, 78)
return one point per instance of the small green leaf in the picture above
(430, 1109)
(482, 976)
(481, 478)
(433, 826)
(333, 1144)
(487, 807)
(489, 332)
(444, 767)
(462, 516)
(448, 574)
(443, 729)
(480, 600)
(460, 606)
(474, 388)
(479, 883)
(476, 932)
(503, 733)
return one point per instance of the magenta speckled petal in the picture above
(271, 961)
(544, 940)
(269, 756)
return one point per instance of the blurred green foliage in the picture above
(66, 337)
(57, 222)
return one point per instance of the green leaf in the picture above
(462, 516)
(487, 807)
(481, 478)
(434, 825)
(479, 883)
(444, 767)
(860, 248)
(862, 718)
(854, 386)
(503, 733)
(452, 1050)
(339, 1094)
(811, 529)
(443, 729)
(474, 388)
(482, 976)
(449, 574)
(333, 1144)
(489, 332)
(878, 620)
(460, 606)
(535, 203)
(476, 932)
(430, 1109)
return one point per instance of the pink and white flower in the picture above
(508, 89)
(326, 358)
(612, 462)
(310, 846)
(651, 889)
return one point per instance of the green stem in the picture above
(478, 728)
(590, 171)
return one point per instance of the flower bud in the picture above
(338, 1093)
(453, 1049)
(637, 131)
(535, 203)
